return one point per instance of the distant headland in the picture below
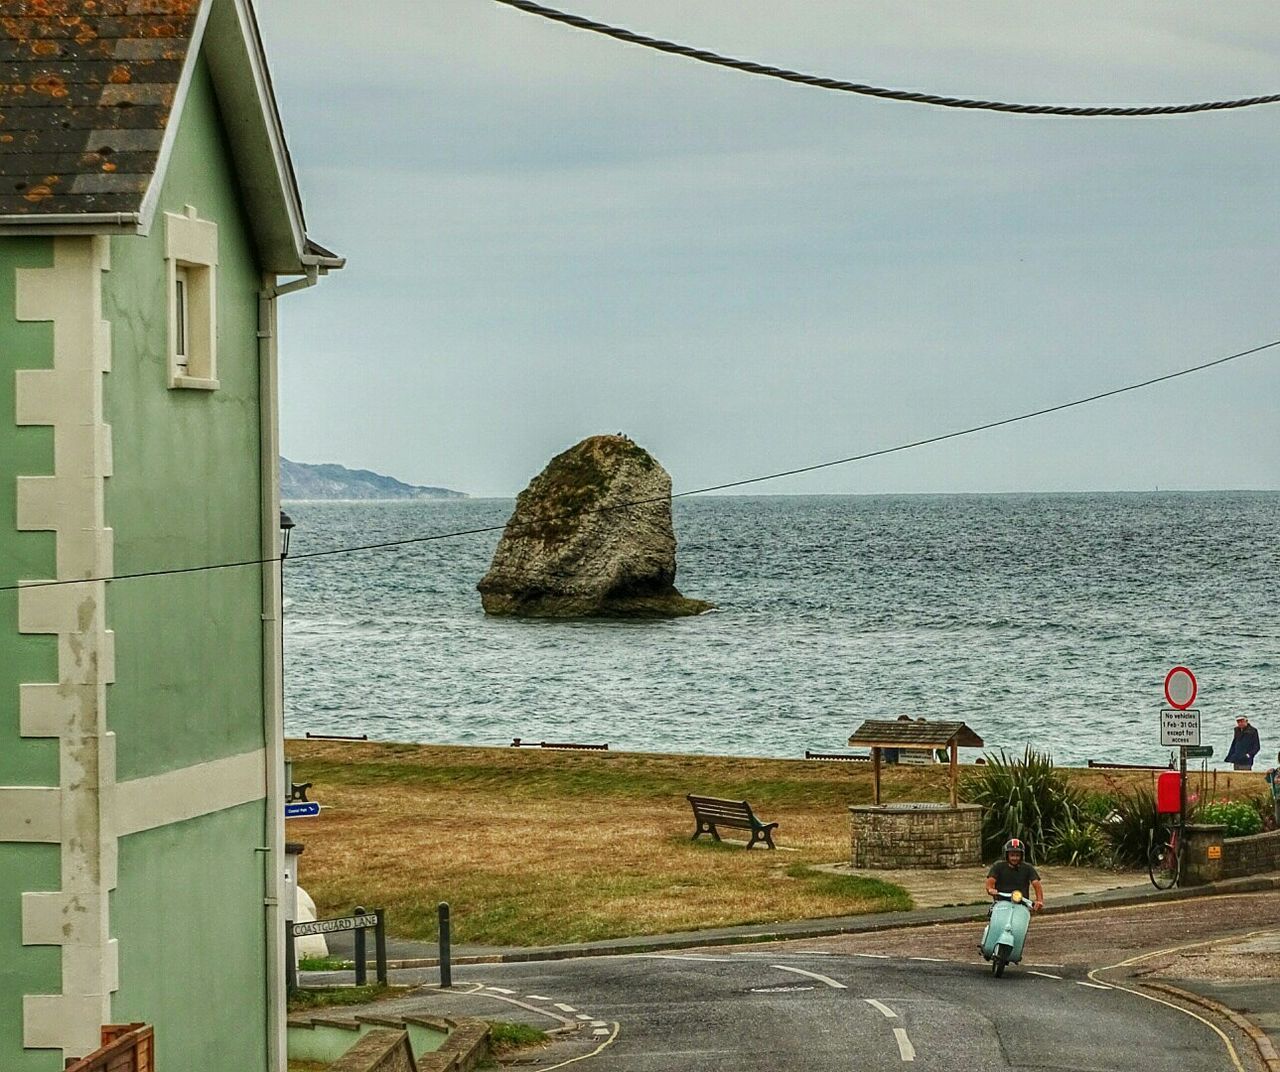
(300, 481)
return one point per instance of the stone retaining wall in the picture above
(890, 836)
(1209, 855)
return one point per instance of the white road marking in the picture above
(812, 975)
(794, 953)
(586, 1016)
(873, 956)
(1046, 965)
(565, 1008)
(1096, 986)
(499, 989)
(905, 1050)
(600, 1031)
(598, 1023)
(1043, 975)
(935, 960)
(889, 1013)
(780, 989)
(680, 956)
(537, 997)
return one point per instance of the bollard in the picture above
(290, 959)
(380, 946)
(362, 969)
(446, 969)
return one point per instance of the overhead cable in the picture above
(910, 96)
(384, 545)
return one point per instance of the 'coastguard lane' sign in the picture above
(329, 926)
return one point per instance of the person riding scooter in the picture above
(1013, 873)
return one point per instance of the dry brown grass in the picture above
(533, 847)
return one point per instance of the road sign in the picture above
(1179, 727)
(301, 810)
(1200, 751)
(1180, 688)
(330, 926)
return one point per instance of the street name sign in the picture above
(301, 810)
(1179, 728)
(330, 926)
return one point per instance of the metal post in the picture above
(875, 774)
(290, 959)
(1182, 788)
(446, 969)
(362, 968)
(380, 946)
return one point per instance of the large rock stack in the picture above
(590, 536)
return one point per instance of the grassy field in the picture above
(534, 847)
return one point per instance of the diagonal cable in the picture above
(912, 96)
(384, 545)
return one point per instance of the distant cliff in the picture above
(301, 481)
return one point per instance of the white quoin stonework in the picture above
(73, 708)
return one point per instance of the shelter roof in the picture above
(91, 96)
(917, 733)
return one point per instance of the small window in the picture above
(181, 319)
(191, 264)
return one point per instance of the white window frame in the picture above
(191, 258)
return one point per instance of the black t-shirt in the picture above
(1009, 878)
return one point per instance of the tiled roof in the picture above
(918, 734)
(86, 87)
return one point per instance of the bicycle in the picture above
(1164, 861)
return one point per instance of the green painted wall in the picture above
(190, 919)
(23, 555)
(32, 969)
(185, 490)
(188, 910)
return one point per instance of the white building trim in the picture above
(178, 795)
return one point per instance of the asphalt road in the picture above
(770, 1011)
(918, 998)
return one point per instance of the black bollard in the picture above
(362, 968)
(446, 969)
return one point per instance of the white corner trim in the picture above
(70, 503)
(178, 795)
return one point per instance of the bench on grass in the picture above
(710, 812)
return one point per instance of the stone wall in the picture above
(1209, 855)
(889, 836)
(1251, 855)
(378, 1051)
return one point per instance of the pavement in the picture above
(1230, 976)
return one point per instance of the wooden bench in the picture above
(710, 812)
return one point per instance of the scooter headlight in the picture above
(1017, 897)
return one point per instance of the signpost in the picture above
(1180, 725)
(303, 809)
(359, 921)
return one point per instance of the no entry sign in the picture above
(1180, 688)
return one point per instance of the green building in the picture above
(149, 220)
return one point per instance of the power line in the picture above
(621, 34)
(881, 452)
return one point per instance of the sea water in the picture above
(1045, 620)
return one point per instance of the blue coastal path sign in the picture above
(303, 809)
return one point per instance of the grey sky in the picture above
(553, 234)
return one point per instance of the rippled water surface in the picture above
(1041, 619)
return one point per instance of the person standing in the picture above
(1273, 780)
(1244, 745)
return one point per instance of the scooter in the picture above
(1006, 931)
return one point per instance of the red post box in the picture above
(1169, 793)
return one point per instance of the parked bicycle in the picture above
(1164, 862)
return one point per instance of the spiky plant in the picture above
(1026, 798)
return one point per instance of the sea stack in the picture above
(591, 536)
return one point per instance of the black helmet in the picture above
(1014, 845)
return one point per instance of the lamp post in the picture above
(286, 529)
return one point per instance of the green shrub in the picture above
(1025, 798)
(1078, 842)
(1240, 817)
(1131, 827)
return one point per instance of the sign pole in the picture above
(1182, 789)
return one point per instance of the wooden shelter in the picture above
(917, 733)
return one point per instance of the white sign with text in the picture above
(1178, 728)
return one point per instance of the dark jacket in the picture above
(1244, 745)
